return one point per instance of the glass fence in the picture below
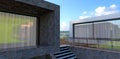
(103, 34)
(17, 30)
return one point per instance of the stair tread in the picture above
(62, 52)
(72, 56)
(64, 49)
(65, 54)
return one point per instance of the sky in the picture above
(71, 10)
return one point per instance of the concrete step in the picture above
(73, 57)
(67, 56)
(61, 49)
(64, 54)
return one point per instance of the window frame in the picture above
(37, 26)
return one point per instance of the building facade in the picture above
(46, 36)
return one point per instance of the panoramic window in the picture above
(17, 30)
(103, 34)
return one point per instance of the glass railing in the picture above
(101, 43)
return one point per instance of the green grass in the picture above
(108, 45)
(7, 28)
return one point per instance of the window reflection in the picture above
(17, 30)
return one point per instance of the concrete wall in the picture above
(25, 53)
(48, 16)
(92, 53)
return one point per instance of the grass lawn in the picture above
(8, 28)
(108, 45)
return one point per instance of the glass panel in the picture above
(17, 30)
(105, 34)
(83, 32)
(115, 32)
(102, 33)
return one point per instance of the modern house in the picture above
(96, 37)
(29, 29)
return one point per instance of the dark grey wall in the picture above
(92, 53)
(49, 15)
(25, 53)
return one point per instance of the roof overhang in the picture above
(19, 7)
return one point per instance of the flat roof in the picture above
(98, 18)
(18, 7)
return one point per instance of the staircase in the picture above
(65, 53)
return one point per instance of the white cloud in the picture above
(99, 11)
(85, 12)
(83, 17)
(64, 26)
(102, 10)
(113, 6)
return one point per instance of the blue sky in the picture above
(78, 9)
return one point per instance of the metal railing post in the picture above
(111, 44)
(87, 42)
(98, 43)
